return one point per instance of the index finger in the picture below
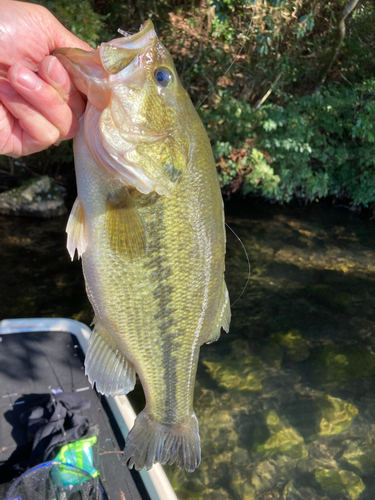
(42, 98)
(54, 73)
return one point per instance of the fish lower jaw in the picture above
(150, 442)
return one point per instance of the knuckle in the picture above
(55, 101)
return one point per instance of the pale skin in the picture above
(39, 105)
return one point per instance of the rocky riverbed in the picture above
(286, 400)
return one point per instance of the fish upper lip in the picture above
(145, 28)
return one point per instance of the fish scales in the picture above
(151, 236)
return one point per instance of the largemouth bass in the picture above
(148, 223)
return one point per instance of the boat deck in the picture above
(35, 363)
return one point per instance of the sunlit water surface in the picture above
(286, 400)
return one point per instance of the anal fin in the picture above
(124, 225)
(106, 366)
(222, 318)
(75, 229)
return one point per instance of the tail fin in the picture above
(150, 442)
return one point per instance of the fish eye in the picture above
(163, 76)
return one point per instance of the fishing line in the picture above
(234, 59)
(248, 265)
(198, 106)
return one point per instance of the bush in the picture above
(317, 145)
(79, 18)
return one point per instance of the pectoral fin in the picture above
(222, 318)
(76, 231)
(105, 365)
(125, 228)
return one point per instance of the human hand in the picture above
(36, 109)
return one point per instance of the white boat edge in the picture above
(155, 480)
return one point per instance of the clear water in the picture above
(286, 400)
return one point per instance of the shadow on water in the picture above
(38, 279)
(286, 400)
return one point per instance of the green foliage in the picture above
(79, 18)
(305, 24)
(318, 145)
(261, 174)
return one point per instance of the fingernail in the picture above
(55, 71)
(6, 87)
(27, 79)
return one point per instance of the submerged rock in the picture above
(228, 375)
(340, 481)
(361, 455)
(217, 428)
(264, 476)
(310, 464)
(240, 457)
(337, 365)
(41, 197)
(292, 492)
(337, 415)
(272, 354)
(216, 494)
(296, 347)
(242, 488)
(239, 371)
(284, 438)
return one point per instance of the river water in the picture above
(286, 400)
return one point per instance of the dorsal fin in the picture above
(124, 225)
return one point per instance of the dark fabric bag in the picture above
(54, 422)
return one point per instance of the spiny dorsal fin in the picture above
(106, 366)
(124, 225)
(76, 231)
(222, 318)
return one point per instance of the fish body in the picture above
(148, 223)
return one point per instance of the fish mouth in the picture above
(129, 40)
(144, 28)
(118, 53)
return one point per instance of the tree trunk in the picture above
(340, 38)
